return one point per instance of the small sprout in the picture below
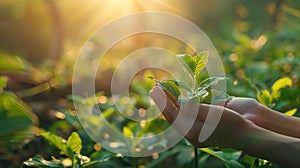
(202, 92)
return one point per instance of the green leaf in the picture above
(233, 164)
(280, 84)
(193, 65)
(291, 112)
(74, 143)
(216, 97)
(169, 86)
(188, 64)
(11, 63)
(57, 141)
(15, 114)
(127, 131)
(200, 61)
(228, 156)
(213, 153)
(3, 81)
(102, 156)
(99, 157)
(264, 97)
(182, 85)
(250, 160)
(39, 161)
(210, 82)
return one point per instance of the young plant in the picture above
(199, 90)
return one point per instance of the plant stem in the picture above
(196, 157)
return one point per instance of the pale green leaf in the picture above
(215, 97)
(208, 82)
(280, 84)
(188, 64)
(291, 112)
(200, 61)
(74, 143)
(182, 85)
(169, 86)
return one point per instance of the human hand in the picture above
(249, 108)
(231, 128)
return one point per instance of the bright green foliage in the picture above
(267, 98)
(264, 97)
(71, 148)
(291, 112)
(74, 143)
(169, 85)
(194, 65)
(280, 84)
(200, 91)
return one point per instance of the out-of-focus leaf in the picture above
(39, 161)
(184, 156)
(57, 141)
(233, 164)
(11, 63)
(3, 81)
(74, 143)
(280, 84)
(15, 114)
(264, 97)
(127, 131)
(291, 112)
(250, 160)
(162, 157)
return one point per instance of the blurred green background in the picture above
(258, 41)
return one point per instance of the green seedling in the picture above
(199, 90)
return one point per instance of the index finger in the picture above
(165, 103)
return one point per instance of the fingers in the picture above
(165, 103)
(170, 109)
